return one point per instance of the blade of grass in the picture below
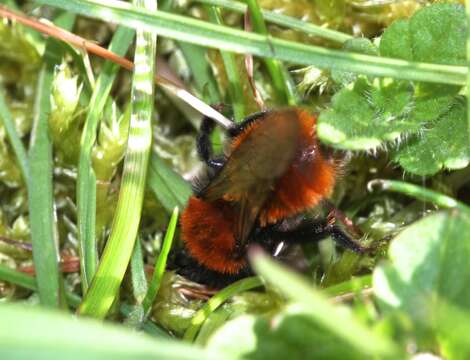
(160, 266)
(278, 75)
(221, 37)
(17, 278)
(417, 192)
(35, 38)
(322, 312)
(349, 286)
(283, 20)
(81, 43)
(40, 192)
(86, 182)
(467, 10)
(105, 285)
(235, 88)
(168, 186)
(10, 3)
(217, 300)
(28, 282)
(139, 279)
(205, 83)
(53, 336)
(7, 119)
(136, 314)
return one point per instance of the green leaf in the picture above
(356, 45)
(443, 27)
(265, 304)
(194, 31)
(118, 250)
(290, 335)
(205, 83)
(168, 186)
(7, 120)
(428, 270)
(160, 265)
(217, 300)
(86, 182)
(232, 71)
(284, 20)
(40, 190)
(369, 113)
(396, 41)
(445, 144)
(418, 192)
(435, 34)
(452, 327)
(428, 261)
(336, 321)
(138, 276)
(59, 336)
(364, 115)
(279, 77)
(17, 278)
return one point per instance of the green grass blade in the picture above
(139, 279)
(217, 300)
(118, 250)
(160, 265)
(467, 10)
(17, 278)
(40, 192)
(278, 75)
(196, 59)
(417, 192)
(86, 182)
(168, 186)
(283, 20)
(354, 284)
(322, 312)
(202, 74)
(153, 330)
(32, 333)
(29, 282)
(221, 37)
(7, 119)
(235, 88)
(135, 316)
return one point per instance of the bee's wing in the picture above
(252, 169)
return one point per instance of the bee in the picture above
(274, 170)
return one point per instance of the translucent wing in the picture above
(248, 177)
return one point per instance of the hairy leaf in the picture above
(436, 34)
(443, 145)
(364, 115)
(356, 45)
(368, 113)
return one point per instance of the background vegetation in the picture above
(95, 162)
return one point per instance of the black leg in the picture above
(238, 128)
(303, 230)
(204, 145)
(345, 240)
